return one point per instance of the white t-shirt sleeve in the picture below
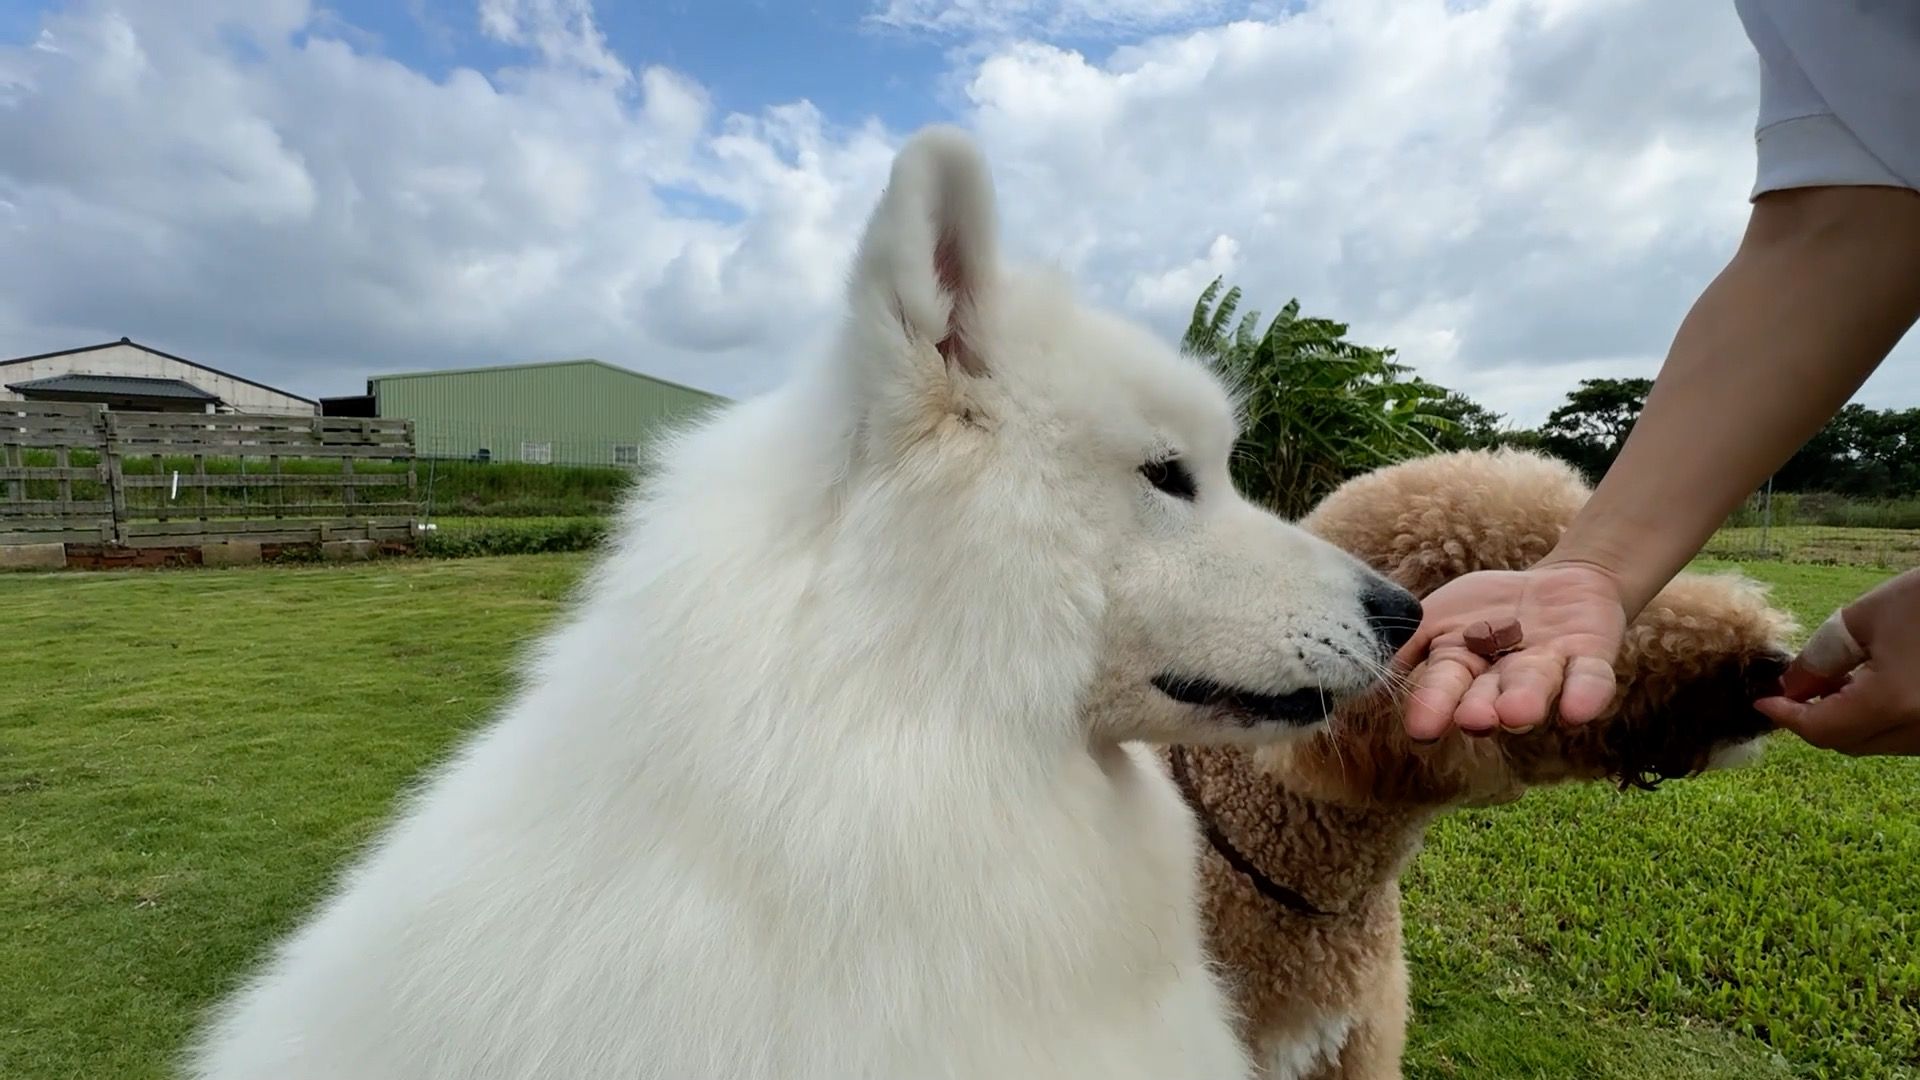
(1839, 92)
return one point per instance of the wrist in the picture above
(1621, 535)
(1615, 570)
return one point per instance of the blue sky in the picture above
(749, 54)
(1515, 194)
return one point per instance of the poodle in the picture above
(1308, 842)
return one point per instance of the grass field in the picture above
(186, 757)
(1821, 545)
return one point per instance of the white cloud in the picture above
(1515, 193)
(1048, 17)
(1172, 292)
(312, 214)
(561, 31)
(1504, 185)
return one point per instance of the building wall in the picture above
(134, 361)
(581, 413)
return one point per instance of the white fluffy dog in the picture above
(805, 789)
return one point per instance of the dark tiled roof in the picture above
(121, 385)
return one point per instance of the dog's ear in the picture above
(929, 255)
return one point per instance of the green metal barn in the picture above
(566, 412)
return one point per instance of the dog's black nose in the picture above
(1393, 613)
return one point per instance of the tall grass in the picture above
(1838, 511)
(512, 489)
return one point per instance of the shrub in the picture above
(508, 536)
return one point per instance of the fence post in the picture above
(413, 485)
(15, 458)
(116, 480)
(1766, 521)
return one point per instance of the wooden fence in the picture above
(79, 474)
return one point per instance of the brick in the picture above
(347, 550)
(231, 553)
(33, 557)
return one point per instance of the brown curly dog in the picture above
(1306, 843)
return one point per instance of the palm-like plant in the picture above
(1316, 408)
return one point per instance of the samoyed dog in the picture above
(806, 787)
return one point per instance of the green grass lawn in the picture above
(187, 756)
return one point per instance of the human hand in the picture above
(1855, 687)
(1572, 621)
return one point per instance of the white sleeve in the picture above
(1839, 92)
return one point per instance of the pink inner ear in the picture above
(953, 280)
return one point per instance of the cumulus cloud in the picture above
(563, 32)
(1500, 186)
(1172, 292)
(312, 213)
(1514, 193)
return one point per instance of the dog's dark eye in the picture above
(1171, 476)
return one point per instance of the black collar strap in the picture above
(1265, 885)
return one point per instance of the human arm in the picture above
(1823, 286)
(1824, 283)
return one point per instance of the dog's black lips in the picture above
(1248, 707)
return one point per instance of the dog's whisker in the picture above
(1396, 680)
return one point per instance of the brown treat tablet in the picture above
(1488, 640)
(1480, 638)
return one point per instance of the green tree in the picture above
(1860, 452)
(1588, 429)
(1475, 427)
(1828, 461)
(1316, 408)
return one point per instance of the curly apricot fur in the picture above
(1338, 817)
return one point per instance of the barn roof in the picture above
(542, 364)
(122, 385)
(156, 352)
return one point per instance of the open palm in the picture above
(1573, 624)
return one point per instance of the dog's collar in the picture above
(1264, 885)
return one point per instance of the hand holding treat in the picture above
(1507, 648)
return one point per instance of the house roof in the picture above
(588, 362)
(156, 352)
(120, 385)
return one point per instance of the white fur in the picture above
(1744, 754)
(1307, 1051)
(804, 788)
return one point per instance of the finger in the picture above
(1802, 685)
(1830, 653)
(1431, 705)
(1415, 649)
(1785, 712)
(1528, 687)
(1589, 690)
(1475, 714)
(1845, 720)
